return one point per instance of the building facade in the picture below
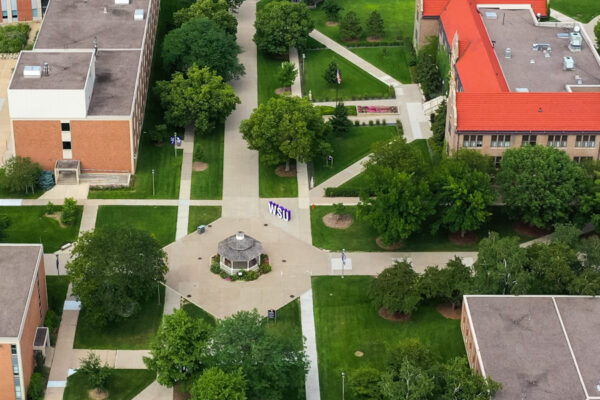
(80, 94)
(21, 10)
(23, 306)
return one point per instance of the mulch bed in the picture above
(281, 172)
(332, 220)
(331, 23)
(393, 246)
(57, 216)
(446, 310)
(398, 317)
(282, 90)
(97, 395)
(529, 230)
(199, 166)
(468, 239)
(180, 394)
(373, 39)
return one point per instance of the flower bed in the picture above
(377, 110)
(263, 268)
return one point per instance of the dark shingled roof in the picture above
(235, 249)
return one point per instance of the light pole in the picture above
(175, 143)
(57, 264)
(343, 261)
(343, 384)
(152, 181)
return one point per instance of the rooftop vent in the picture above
(575, 39)
(522, 90)
(578, 80)
(240, 235)
(122, 2)
(568, 63)
(138, 15)
(32, 71)
(491, 15)
(508, 53)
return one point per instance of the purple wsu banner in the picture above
(280, 211)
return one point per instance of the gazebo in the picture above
(239, 252)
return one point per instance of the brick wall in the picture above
(39, 140)
(102, 145)
(468, 339)
(7, 386)
(25, 12)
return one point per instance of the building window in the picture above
(529, 140)
(557, 140)
(34, 13)
(585, 141)
(497, 161)
(65, 126)
(66, 145)
(4, 14)
(15, 14)
(500, 141)
(472, 140)
(582, 159)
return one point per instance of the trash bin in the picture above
(201, 228)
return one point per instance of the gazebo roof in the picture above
(240, 247)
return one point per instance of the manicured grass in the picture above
(391, 60)
(124, 384)
(346, 322)
(356, 83)
(28, 224)
(361, 236)
(202, 215)
(133, 333)
(581, 10)
(5, 194)
(57, 287)
(398, 18)
(272, 185)
(267, 68)
(196, 312)
(350, 148)
(208, 184)
(160, 221)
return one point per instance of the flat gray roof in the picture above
(515, 29)
(116, 74)
(73, 24)
(17, 266)
(67, 70)
(523, 345)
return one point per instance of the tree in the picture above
(340, 124)
(446, 284)
(287, 74)
(375, 25)
(96, 373)
(407, 382)
(35, 390)
(399, 208)
(69, 211)
(428, 72)
(20, 174)
(499, 268)
(411, 350)
(176, 353)
(214, 384)
(281, 25)
(284, 128)
(215, 10)
(540, 184)
(364, 383)
(272, 363)
(113, 269)
(550, 266)
(201, 42)
(438, 126)
(199, 97)
(461, 382)
(398, 156)
(597, 33)
(332, 9)
(395, 288)
(159, 133)
(350, 27)
(330, 74)
(234, 4)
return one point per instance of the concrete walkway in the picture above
(185, 185)
(311, 384)
(341, 177)
(88, 219)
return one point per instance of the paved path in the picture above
(185, 185)
(341, 177)
(308, 331)
(88, 219)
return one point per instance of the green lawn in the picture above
(160, 221)
(5, 194)
(208, 184)
(398, 17)
(133, 333)
(346, 322)
(202, 215)
(28, 224)
(272, 185)
(581, 10)
(391, 60)
(350, 148)
(57, 291)
(356, 83)
(196, 312)
(125, 384)
(361, 237)
(267, 68)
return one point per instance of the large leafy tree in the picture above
(459, 381)
(113, 269)
(395, 288)
(330, 74)
(350, 26)
(201, 42)
(20, 174)
(215, 10)
(551, 267)
(332, 9)
(428, 72)
(199, 97)
(272, 363)
(215, 384)
(541, 184)
(281, 25)
(176, 353)
(446, 284)
(285, 128)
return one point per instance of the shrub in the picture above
(341, 192)
(35, 390)
(356, 122)
(215, 268)
(20, 174)
(96, 373)
(371, 123)
(13, 38)
(198, 154)
(69, 211)
(50, 208)
(377, 122)
(159, 133)
(46, 180)
(223, 274)
(264, 258)
(264, 268)
(250, 276)
(597, 33)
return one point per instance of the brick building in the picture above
(23, 306)
(80, 94)
(515, 80)
(537, 347)
(22, 10)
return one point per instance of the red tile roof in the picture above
(521, 111)
(434, 8)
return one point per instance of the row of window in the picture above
(497, 160)
(16, 377)
(553, 140)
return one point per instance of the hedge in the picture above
(13, 38)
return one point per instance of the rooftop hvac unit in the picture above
(568, 63)
(507, 53)
(32, 71)
(138, 15)
(576, 40)
(121, 2)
